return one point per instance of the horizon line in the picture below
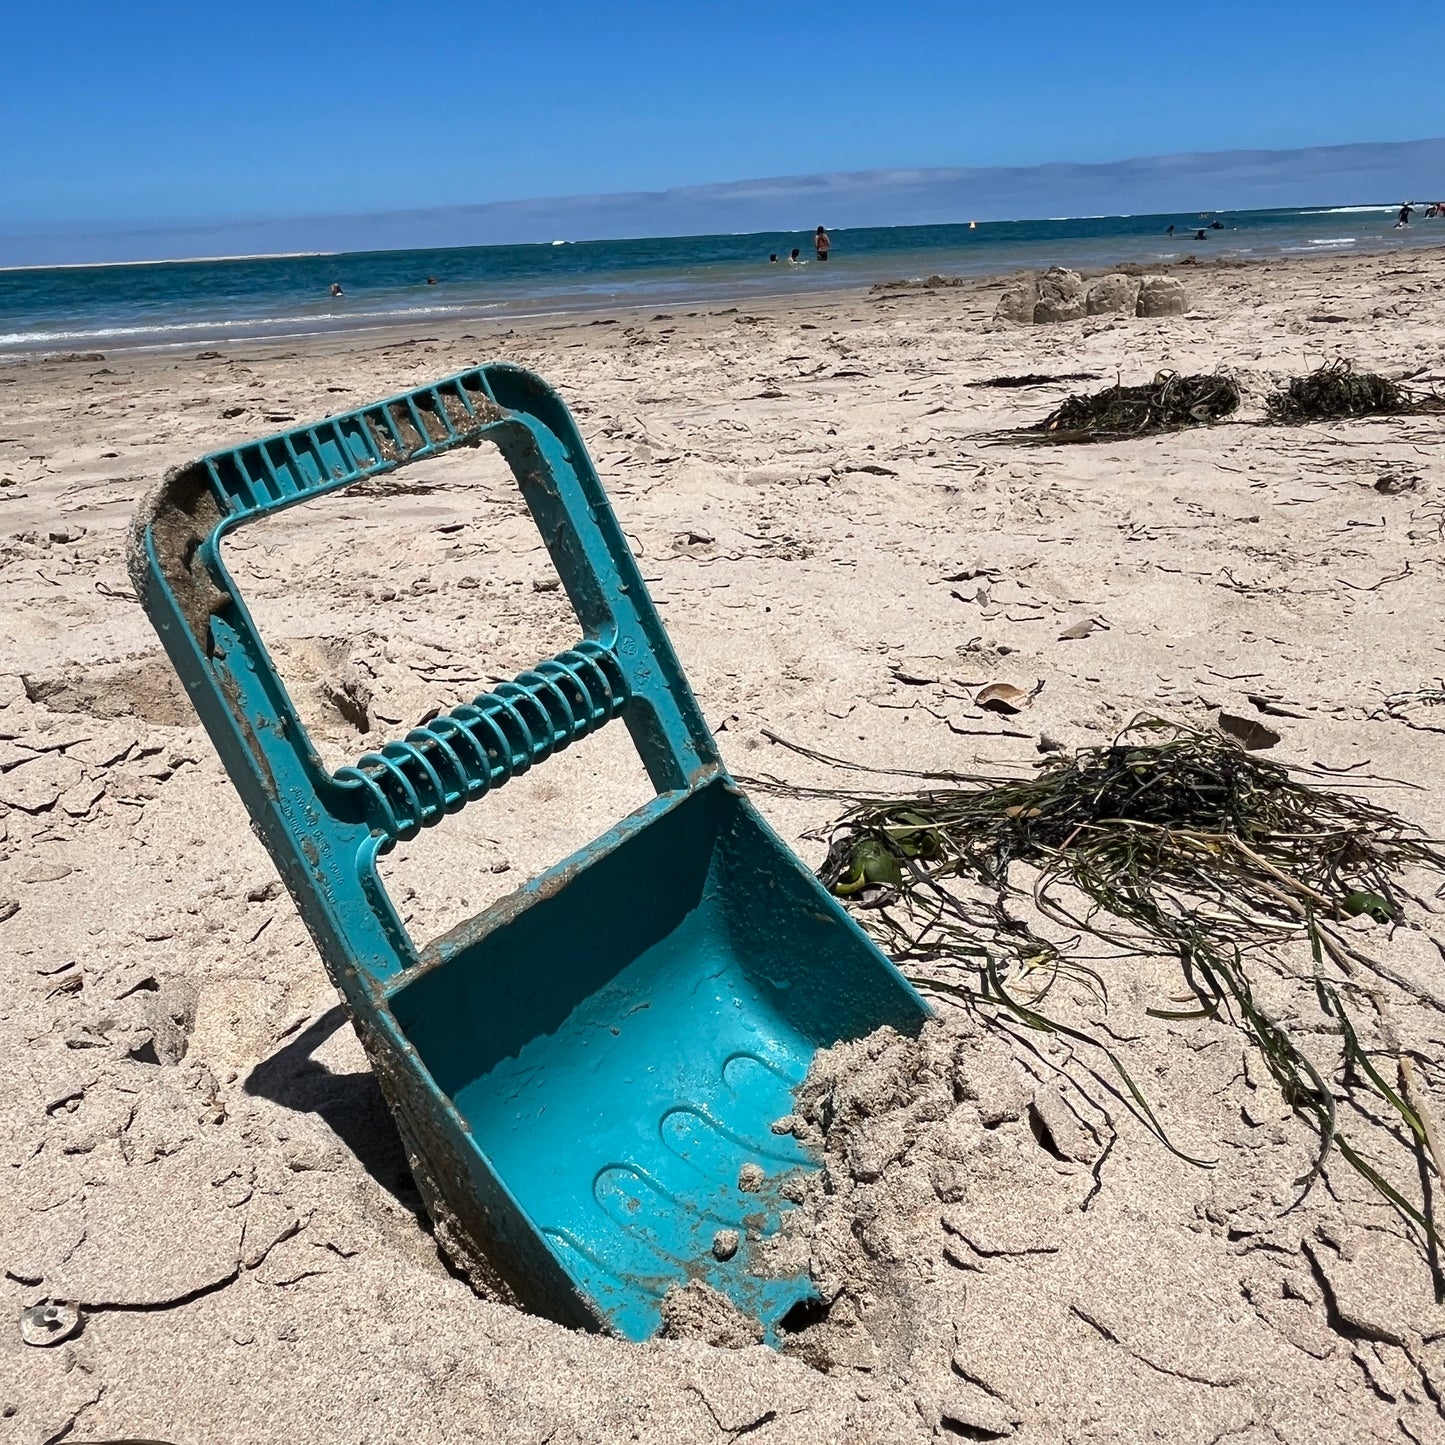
(608, 240)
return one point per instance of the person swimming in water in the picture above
(336, 289)
(793, 258)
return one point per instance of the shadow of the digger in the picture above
(350, 1104)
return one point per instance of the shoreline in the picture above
(387, 300)
(830, 293)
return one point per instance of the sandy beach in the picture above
(194, 1148)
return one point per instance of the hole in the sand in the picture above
(963, 1431)
(1043, 1135)
(803, 1316)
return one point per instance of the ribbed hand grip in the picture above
(457, 757)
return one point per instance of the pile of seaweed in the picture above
(1337, 390)
(1169, 403)
(1171, 842)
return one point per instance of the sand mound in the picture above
(976, 1249)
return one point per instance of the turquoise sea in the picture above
(188, 303)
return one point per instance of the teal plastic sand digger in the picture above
(585, 1075)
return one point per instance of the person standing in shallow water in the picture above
(821, 244)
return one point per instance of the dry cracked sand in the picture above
(193, 1148)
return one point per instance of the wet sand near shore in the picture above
(195, 1149)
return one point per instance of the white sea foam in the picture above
(100, 333)
(232, 325)
(1349, 210)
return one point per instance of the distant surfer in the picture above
(336, 289)
(821, 244)
(1216, 225)
(431, 280)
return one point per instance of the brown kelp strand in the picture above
(1169, 403)
(1337, 390)
(1168, 841)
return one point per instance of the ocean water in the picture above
(194, 303)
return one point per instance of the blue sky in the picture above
(166, 112)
